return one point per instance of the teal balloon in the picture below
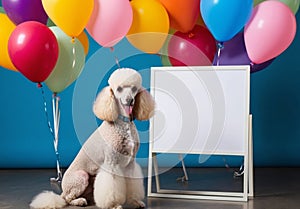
(225, 18)
(70, 63)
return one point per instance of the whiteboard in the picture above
(200, 110)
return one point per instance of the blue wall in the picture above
(26, 142)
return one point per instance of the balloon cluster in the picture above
(185, 32)
(245, 33)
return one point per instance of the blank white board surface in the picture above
(200, 110)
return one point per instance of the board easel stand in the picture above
(243, 196)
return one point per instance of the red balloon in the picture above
(33, 49)
(198, 47)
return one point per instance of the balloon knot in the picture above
(73, 40)
(220, 45)
(191, 35)
(111, 49)
(39, 85)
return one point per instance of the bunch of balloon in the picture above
(52, 55)
(225, 19)
(266, 41)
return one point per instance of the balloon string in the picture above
(220, 47)
(45, 109)
(56, 120)
(54, 133)
(74, 56)
(116, 58)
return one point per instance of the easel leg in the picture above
(185, 177)
(251, 183)
(156, 173)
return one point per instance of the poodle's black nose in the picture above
(130, 101)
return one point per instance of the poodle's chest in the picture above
(122, 141)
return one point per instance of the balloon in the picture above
(6, 28)
(70, 15)
(256, 2)
(191, 49)
(110, 21)
(234, 53)
(25, 10)
(292, 4)
(183, 14)
(84, 40)
(70, 62)
(150, 25)
(225, 18)
(2, 10)
(33, 49)
(268, 40)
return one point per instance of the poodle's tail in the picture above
(47, 199)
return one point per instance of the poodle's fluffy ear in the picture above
(105, 106)
(144, 105)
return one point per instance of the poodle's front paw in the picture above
(140, 204)
(79, 202)
(137, 204)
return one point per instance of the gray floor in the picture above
(276, 188)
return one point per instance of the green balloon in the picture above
(164, 50)
(292, 4)
(256, 2)
(71, 60)
(2, 10)
(50, 23)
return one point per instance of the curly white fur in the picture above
(48, 200)
(108, 154)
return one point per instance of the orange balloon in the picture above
(183, 13)
(84, 40)
(150, 25)
(6, 28)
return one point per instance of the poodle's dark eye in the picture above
(134, 89)
(119, 89)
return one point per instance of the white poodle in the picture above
(109, 153)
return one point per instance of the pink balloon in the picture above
(270, 31)
(110, 21)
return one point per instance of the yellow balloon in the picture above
(70, 15)
(6, 28)
(150, 26)
(84, 40)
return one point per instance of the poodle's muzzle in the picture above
(126, 97)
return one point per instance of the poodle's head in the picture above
(124, 96)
